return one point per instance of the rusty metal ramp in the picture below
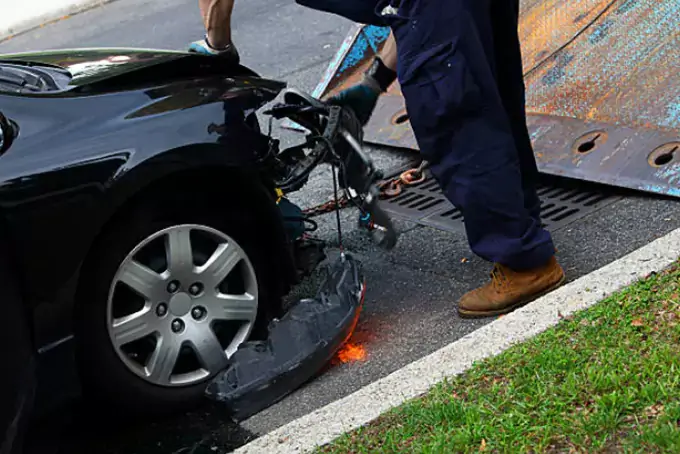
(603, 90)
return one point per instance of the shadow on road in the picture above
(76, 430)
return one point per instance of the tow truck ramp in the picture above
(603, 91)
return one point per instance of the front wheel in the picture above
(170, 299)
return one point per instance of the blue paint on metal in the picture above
(557, 72)
(670, 174)
(627, 6)
(673, 115)
(376, 35)
(674, 192)
(600, 32)
(370, 37)
(335, 63)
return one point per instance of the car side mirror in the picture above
(7, 133)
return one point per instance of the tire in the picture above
(106, 378)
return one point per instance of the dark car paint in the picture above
(126, 119)
(17, 389)
(87, 67)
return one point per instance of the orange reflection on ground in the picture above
(350, 353)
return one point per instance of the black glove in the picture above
(362, 98)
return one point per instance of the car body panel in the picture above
(89, 66)
(126, 118)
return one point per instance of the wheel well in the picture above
(219, 186)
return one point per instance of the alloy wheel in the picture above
(181, 303)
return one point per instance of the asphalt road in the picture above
(410, 306)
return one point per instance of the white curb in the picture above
(19, 17)
(326, 424)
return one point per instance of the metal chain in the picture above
(327, 207)
(388, 190)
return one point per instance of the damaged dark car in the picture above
(145, 224)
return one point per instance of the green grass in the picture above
(605, 380)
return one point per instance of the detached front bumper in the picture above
(299, 345)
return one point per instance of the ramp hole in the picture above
(403, 118)
(665, 158)
(400, 117)
(664, 155)
(589, 142)
(588, 146)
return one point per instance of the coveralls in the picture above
(460, 71)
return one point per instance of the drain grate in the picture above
(563, 202)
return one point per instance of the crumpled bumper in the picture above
(299, 345)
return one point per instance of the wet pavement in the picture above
(410, 302)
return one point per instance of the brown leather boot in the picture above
(509, 290)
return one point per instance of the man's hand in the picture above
(361, 98)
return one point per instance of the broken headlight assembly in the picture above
(335, 137)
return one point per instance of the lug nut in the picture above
(162, 309)
(195, 289)
(197, 312)
(173, 286)
(177, 325)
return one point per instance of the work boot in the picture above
(509, 290)
(203, 47)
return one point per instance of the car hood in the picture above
(93, 65)
(125, 98)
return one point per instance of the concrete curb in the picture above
(326, 424)
(19, 19)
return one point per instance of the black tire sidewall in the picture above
(105, 378)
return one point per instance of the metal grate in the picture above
(563, 202)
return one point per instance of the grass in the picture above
(605, 380)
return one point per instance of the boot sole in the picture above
(477, 314)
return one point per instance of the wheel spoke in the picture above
(233, 307)
(141, 279)
(133, 327)
(220, 264)
(163, 360)
(178, 249)
(210, 353)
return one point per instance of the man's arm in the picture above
(388, 55)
